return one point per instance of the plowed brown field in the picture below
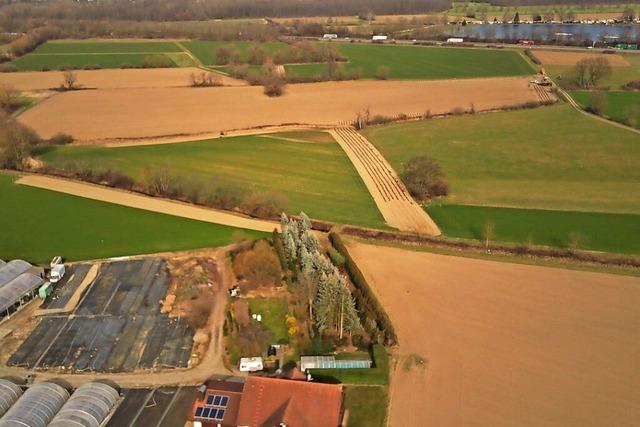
(109, 79)
(551, 57)
(507, 344)
(147, 113)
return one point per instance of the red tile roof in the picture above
(267, 402)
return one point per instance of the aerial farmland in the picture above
(236, 214)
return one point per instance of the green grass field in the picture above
(419, 62)
(204, 50)
(622, 106)
(578, 230)
(273, 311)
(38, 224)
(551, 158)
(99, 53)
(460, 8)
(317, 178)
(547, 158)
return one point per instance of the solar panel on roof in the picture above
(224, 401)
(221, 414)
(216, 400)
(210, 399)
(199, 410)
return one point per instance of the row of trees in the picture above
(296, 53)
(331, 305)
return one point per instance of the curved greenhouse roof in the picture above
(12, 269)
(87, 407)
(13, 291)
(9, 393)
(37, 406)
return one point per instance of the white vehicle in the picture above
(330, 36)
(251, 364)
(57, 273)
(455, 40)
(379, 38)
(55, 261)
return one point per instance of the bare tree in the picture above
(8, 96)
(69, 80)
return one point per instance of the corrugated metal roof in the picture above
(87, 407)
(12, 269)
(13, 291)
(9, 393)
(37, 406)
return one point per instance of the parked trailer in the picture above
(251, 364)
(379, 38)
(455, 40)
(330, 36)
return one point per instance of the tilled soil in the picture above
(116, 114)
(506, 344)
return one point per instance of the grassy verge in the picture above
(316, 178)
(33, 62)
(546, 158)
(38, 224)
(578, 230)
(273, 311)
(366, 405)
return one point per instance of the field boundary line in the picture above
(148, 203)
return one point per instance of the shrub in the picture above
(273, 85)
(205, 79)
(336, 257)
(8, 68)
(382, 72)
(597, 102)
(259, 266)
(267, 204)
(61, 139)
(16, 143)
(424, 178)
(157, 61)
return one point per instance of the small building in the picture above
(12, 269)
(14, 294)
(379, 38)
(330, 362)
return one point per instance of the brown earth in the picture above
(109, 79)
(148, 113)
(506, 344)
(554, 57)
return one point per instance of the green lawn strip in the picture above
(418, 62)
(32, 62)
(305, 136)
(38, 224)
(205, 50)
(273, 311)
(107, 46)
(620, 105)
(377, 375)
(587, 230)
(316, 178)
(367, 405)
(546, 158)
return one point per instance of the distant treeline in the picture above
(186, 10)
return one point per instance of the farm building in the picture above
(49, 404)
(268, 401)
(16, 292)
(12, 269)
(330, 362)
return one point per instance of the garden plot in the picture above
(117, 327)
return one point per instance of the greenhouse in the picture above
(87, 407)
(12, 269)
(9, 393)
(37, 406)
(24, 287)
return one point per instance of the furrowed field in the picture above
(551, 158)
(418, 62)
(99, 54)
(316, 177)
(38, 223)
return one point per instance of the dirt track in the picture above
(109, 79)
(148, 203)
(147, 113)
(507, 344)
(391, 196)
(553, 57)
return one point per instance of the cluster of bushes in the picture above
(424, 178)
(274, 84)
(159, 181)
(30, 41)
(205, 79)
(374, 318)
(258, 266)
(520, 250)
(632, 85)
